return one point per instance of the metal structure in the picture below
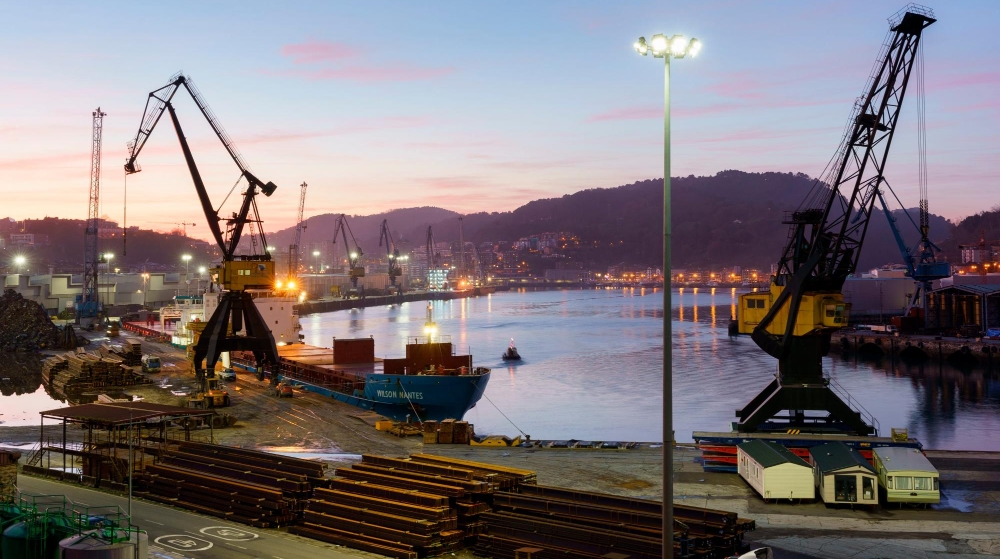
(354, 252)
(236, 311)
(921, 260)
(391, 252)
(293, 249)
(794, 320)
(432, 257)
(90, 302)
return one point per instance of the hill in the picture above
(968, 231)
(731, 218)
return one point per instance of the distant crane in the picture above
(182, 225)
(293, 250)
(432, 257)
(354, 253)
(921, 261)
(391, 252)
(236, 310)
(90, 300)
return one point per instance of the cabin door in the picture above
(845, 488)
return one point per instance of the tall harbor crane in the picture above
(90, 302)
(237, 273)
(432, 257)
(300, 225)
(355, 255)
(391, 252)
(793, 321)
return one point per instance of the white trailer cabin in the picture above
(906, 475)
(843, 476)
(774, 471)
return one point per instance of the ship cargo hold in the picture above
(429, 383)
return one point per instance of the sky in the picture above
(469, 106)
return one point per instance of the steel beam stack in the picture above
(407, 507)
(247, 486)
(563, 522)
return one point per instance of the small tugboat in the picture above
(511, 354)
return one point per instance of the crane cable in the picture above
(922, 142)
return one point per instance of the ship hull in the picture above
(423, 397)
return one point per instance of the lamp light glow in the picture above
(678, 46)
(658, 44)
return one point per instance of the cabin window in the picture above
(936, 484)
(829, 312)
(845, 488)
(904, 483)
(888, 482)
(868, 487)
(921, 484)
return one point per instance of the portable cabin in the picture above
(843, 476)
(773, 471)
(906, 475)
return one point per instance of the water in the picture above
(592, 367)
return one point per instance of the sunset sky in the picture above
(469, 106)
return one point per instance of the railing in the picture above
(854, 405)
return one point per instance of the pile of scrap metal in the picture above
(565, 523)
(407, 508)
(248, 486)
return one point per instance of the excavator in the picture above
(391, 254)
(354, 256)
(793, 320)
(236, 324)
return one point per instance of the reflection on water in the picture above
(23, 394)
(592, 367)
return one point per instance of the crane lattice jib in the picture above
(827, 232)
(343, 229)
(841, 230)
(159, 101)
(294, 250)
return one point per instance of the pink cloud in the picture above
(628, 113)
(314, 52)
(338, 61)
(371, 74)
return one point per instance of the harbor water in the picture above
(592, 367)
(592, 363)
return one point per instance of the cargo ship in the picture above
(429, 383)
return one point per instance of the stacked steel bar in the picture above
(590, 525)
(248, 486)
(75, 372)
(417, 506)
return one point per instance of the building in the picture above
(906, 475)
(971, 308)
(843, 476)
(774, 472)
(877, 299)
(58, 292)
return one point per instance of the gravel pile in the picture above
(24, 325)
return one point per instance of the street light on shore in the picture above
(107, 259)
(19, 261)
(187, 271)
(662, 47)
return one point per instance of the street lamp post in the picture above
(187, 271)
(662, 47)
(145, 288)
(109, 299)
(201, 276)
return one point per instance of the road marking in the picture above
(234, 545)
(229, 533)
(182, 542)
(153, 522)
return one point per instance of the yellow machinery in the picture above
(239, 275)
(212, 395)
(817, 312)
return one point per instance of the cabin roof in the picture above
(769, 454)
(898, 458)
(836, 456)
